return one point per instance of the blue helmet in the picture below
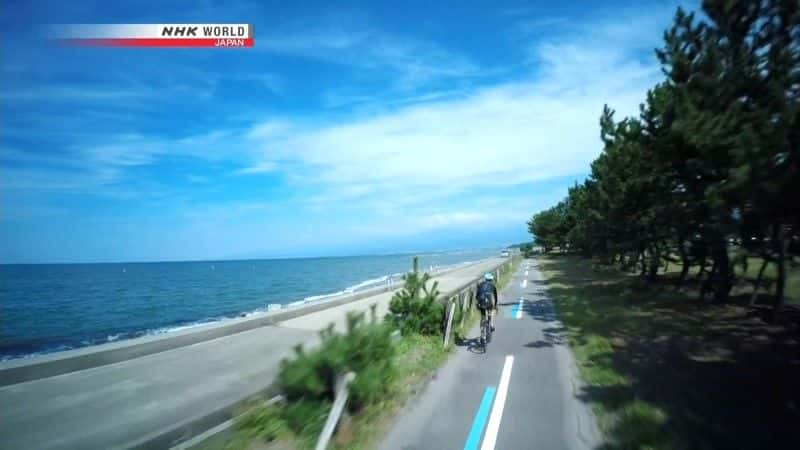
(488, 276)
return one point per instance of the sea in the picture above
(47, 308)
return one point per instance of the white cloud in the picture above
(56, 93)
(260, 168)
(411, 166)
(509, 134)
(408, 61)
(109, 160)
(445, 220)
(541, 127)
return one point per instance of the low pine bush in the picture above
(415, 308)
(366, 349)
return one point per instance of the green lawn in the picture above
(665, 372)
(792, 290)
(746, 278)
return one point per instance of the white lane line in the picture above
(524, 284)
(526, 273)
(490, 438)
(519, 309)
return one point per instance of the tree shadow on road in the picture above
(473, 345)
(669, 372)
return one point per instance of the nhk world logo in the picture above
(222, 35)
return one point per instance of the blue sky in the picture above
(349, 128)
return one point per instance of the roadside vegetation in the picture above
(707, 177)
(674, 265)
(664, 371)
(392, 359)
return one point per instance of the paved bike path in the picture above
(468, 406)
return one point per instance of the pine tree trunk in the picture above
(706, 284)
(643, 263)
(758, 282)
(722, 286)
(702, 268)
(685, 262)
(722, 277)
(654, 260)
(780, 285)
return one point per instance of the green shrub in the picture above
(366, 349)
(264, 423)
(415, 308)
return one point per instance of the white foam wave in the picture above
(368, 283)
(391, 278)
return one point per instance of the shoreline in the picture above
(103, 332)
(122, 335)
(122, 338)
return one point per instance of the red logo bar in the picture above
(160, 42)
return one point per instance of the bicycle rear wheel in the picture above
(485, 333)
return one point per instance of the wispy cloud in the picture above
(411, 61)
(378, 133)
(509, 134)
(109, 160)
(70, 94)
(260, 168)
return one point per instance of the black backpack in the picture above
(484, 294)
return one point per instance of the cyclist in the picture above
(486, 296)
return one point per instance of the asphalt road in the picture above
(520, 394)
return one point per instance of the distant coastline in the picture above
(61, 306)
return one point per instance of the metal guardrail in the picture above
(177, 435)
(462, 298)
(463, 294)
(339, 402)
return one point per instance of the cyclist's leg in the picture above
(492, 313)
(483, 321)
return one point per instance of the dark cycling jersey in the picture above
(491, 288)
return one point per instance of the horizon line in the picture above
(264, 258)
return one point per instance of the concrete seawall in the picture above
(28, 369)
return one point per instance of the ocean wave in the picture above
(315, 298)
(367, 283)
(393, 278)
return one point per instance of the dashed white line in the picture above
(526, 273)
(524, 284)
(519, 309)
(490, 438)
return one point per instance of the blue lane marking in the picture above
(514, 310)
(479, 423)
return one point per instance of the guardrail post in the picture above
(451, 309)
(462, 301)
(336, 411)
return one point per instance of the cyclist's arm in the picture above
(496, 297)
